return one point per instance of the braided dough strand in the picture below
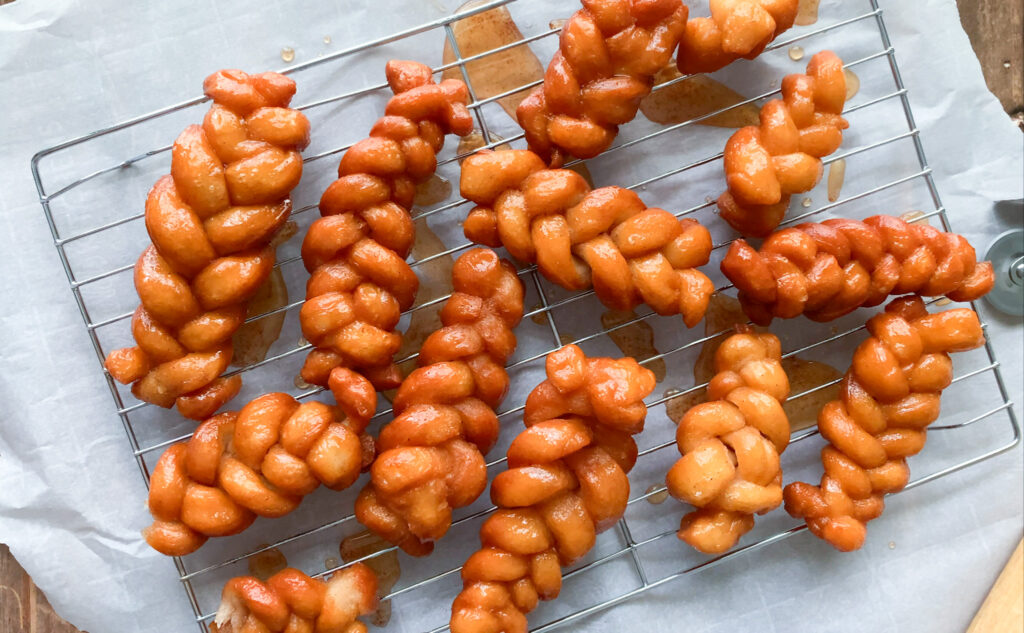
(888, 398)
(360, 282)
(566, 482)
(211, 222)
(830, 269)
(431, 454)
(765, 165)
(608, 53)
(292, 602)
(606, 238)
(260, 461)
(735, 29)
(730, 445)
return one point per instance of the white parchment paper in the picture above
(72, 500)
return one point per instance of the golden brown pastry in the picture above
(430, 457)
(889, 397)
(730, 445)
(211, 222)
(260, 461)
(292, 602)
(830, 269)
(566, 482)
(735, 29)
(580, 238)
(607, 56)
(766, 164)
(356, 252)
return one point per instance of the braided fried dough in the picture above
(566, 482)
(730, 445)
(292, 602)
(260, 461)
(765, 165)
(360, 282)
(607, 56)
(604, 238)
(431, 454)
(888, 398)
(736, 28)
(830, 269)
(211, 222)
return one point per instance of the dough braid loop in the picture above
(608, 54)
(827, 270)
(606, 238)
(292, 602)
(887, 399)
(766, 164)
(431, 455)
(360, 282)
(260, 461)
(730, 445)
(566, 482)
(211, 222)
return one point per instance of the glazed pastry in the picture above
(730, 445)
(211, 222)
(566, 482)
(830, 269)
(292, 602)
(356, 252)
(606, 238)
(431, 455)
(766, 164)
(736, 28)
(607, 56)
(260, 461)
(887, 400)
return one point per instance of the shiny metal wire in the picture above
(871, 18)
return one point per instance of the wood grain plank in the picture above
(994, 28)
(1003, 609)
(23, 608)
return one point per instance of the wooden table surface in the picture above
(994, 27)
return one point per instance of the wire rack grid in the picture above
(632, 540)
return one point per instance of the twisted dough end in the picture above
(291, 601)
(431, 455)
(730, 445)
(766, 164)
(359, 280)
(736, 28)
(211, 222)
(888, 398)
(606, 239)
(566, 482)
(608, 54)
(260, 461)
(829, 269)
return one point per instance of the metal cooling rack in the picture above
(630, 549)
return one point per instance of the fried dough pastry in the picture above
(736, 28)
(888, 398)
(360, 282)
(566, 482)
(830, 269)
(608, 53)
(211, 222)
(260, 461)
(766, 164)
(604, 238)
(431, 455)
(292, 602)
(730, 445)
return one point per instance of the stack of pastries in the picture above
(211, 223)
